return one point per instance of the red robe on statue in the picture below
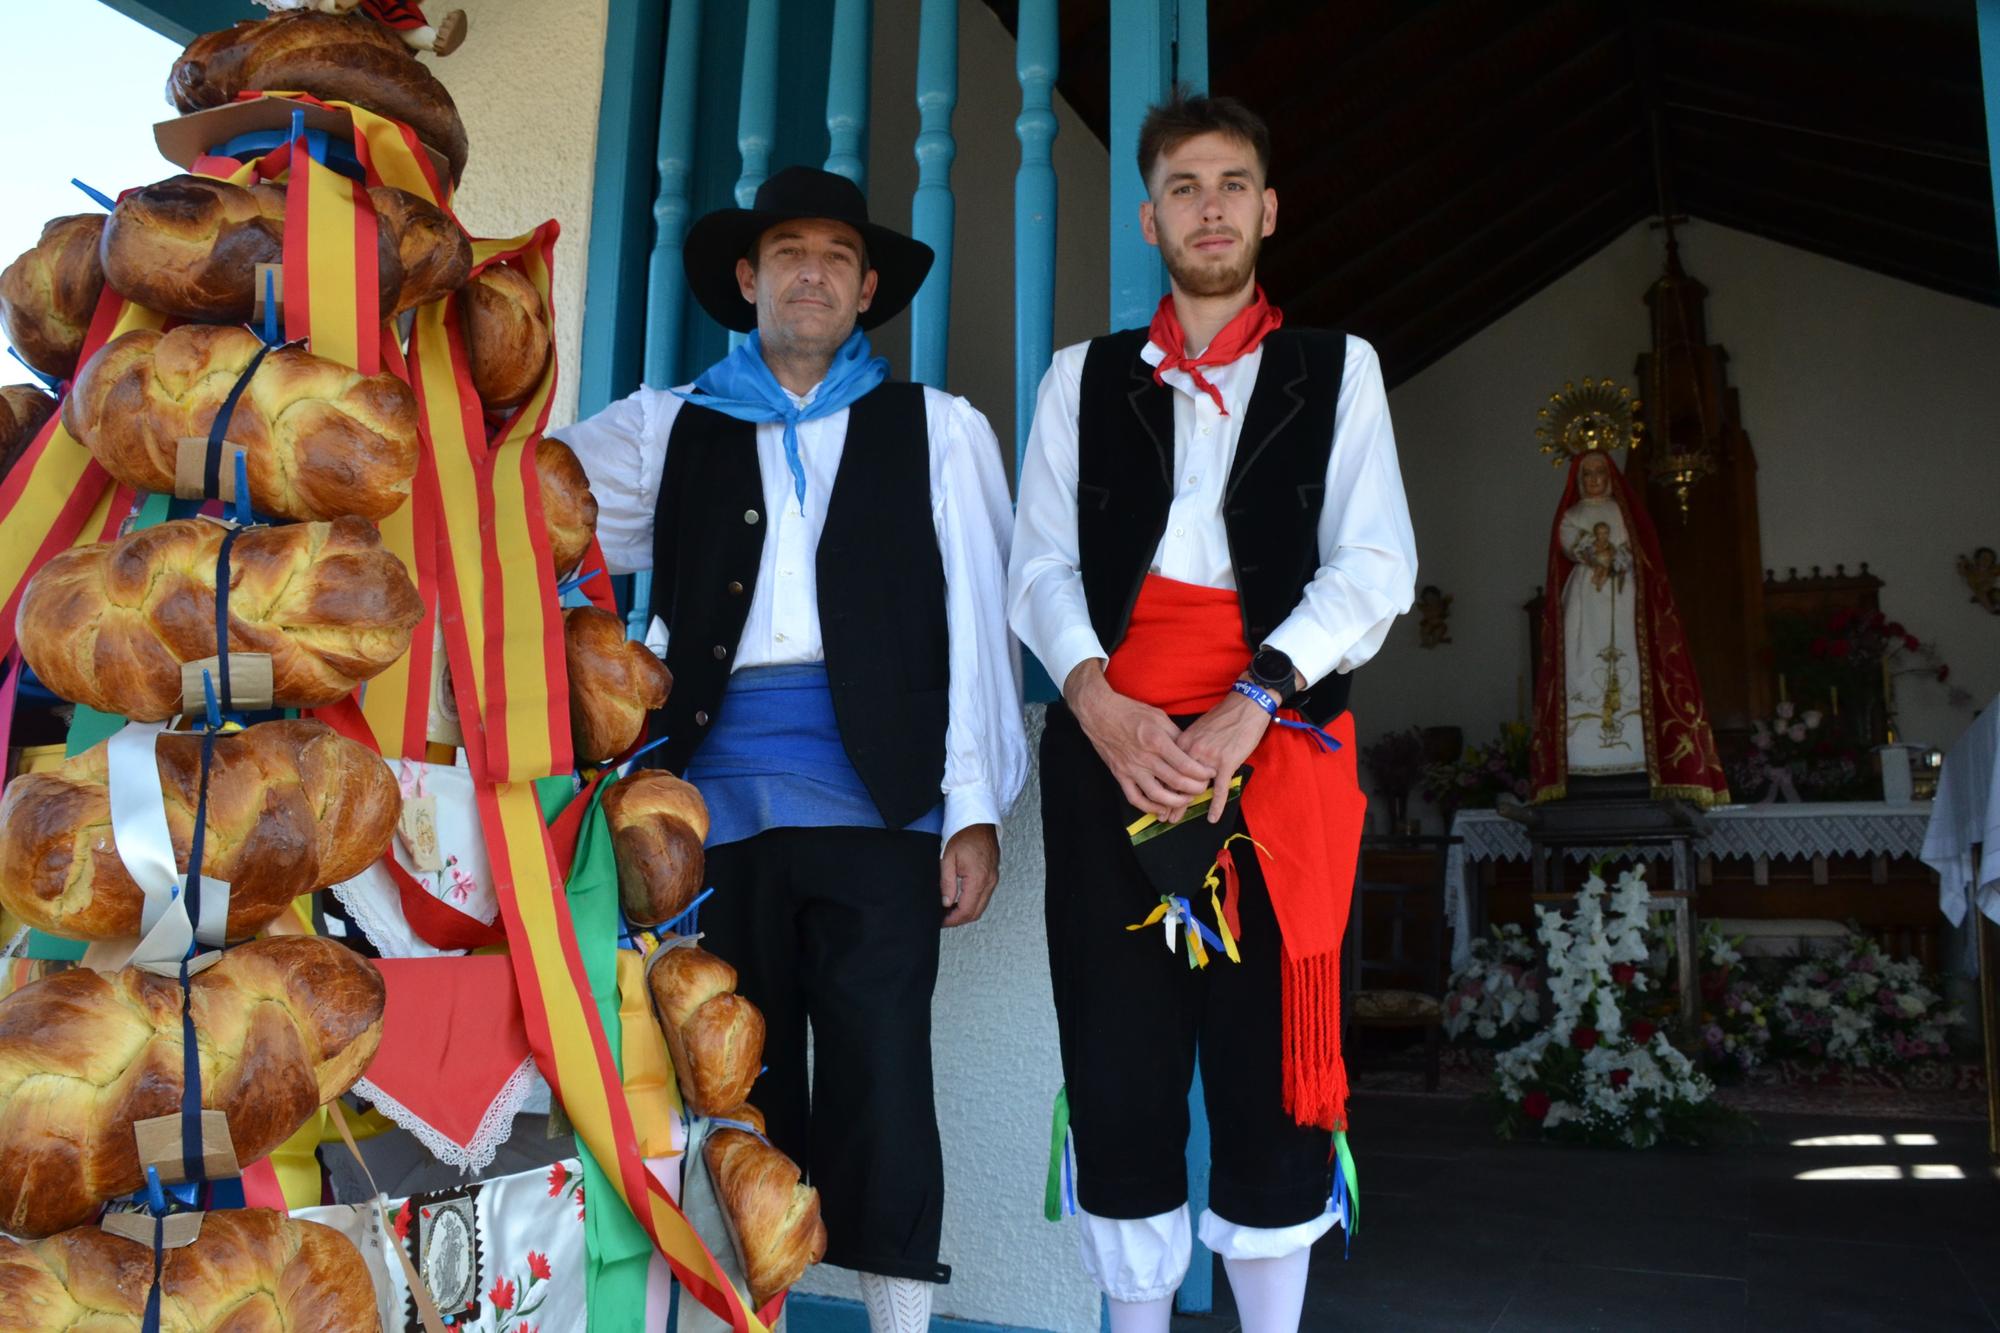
(1681, 759)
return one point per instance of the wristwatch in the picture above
(1272, 669)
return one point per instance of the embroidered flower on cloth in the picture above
(402, 1221)
(558, 1173)
(538, 1267)
(502, 1294)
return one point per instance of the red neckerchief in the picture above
(1239, 337)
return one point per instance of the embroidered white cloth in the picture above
(466, 882)
(1772, 832)
(1966, 813)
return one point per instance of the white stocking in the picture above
(1270, 1293)
(1142, 1316)
(896, 1304)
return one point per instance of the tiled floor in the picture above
(1876, 1226)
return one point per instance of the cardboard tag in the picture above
(109, 956)
(190, 468)
(176, 1231)
(417, 826)
(274, 275)
(160, 1146)
(250, 684)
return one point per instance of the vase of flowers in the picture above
(1497, 996)
(1735, 1018)
(1869, 653)
(1395, 764)
(1598, 1072)
(1795, 756)
(1862, 1009)
(1480, 777)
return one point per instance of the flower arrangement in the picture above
(1482, 775)
(1497, 996)
(1395, 764)
(1794, 753)
(1735, 1018)
(1592, 1076)
(1863, 1009)
(1873, 650)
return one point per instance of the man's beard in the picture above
(1196, 278)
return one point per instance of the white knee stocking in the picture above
(896, 1304)
(1142, 1316)
(1270, 1293)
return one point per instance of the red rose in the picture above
(1840, 647)
(1910, 642)
(502, 1294)
(1583, 1038)
(1620, 1077)
(558, 1173)
(538, 1266)
(1535, 1105)
(1622, 973)
(1944, 674)
(1642, 1031)
(1894, 629)
(1877, 620)
(1818, 647)
(1840, 620)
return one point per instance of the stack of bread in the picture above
(716, 1039)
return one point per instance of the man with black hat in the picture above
(829, 574)
(1212, 534)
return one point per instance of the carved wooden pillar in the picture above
(1713, 551)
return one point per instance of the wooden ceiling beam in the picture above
(1975, 283)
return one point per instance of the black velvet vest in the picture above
(881, 590)
(1270, 506)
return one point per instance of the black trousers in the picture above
(838, 928)
(1133, 1019)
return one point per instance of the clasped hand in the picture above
(1161, 768)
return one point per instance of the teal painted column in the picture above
(852, 54)
(1141, 71)
(183, 20)
(1037, 52)
(757, 106)
(1989, 66)
(932, 212)
(666, 280)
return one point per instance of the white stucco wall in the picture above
(1865, 398)
(526, 83)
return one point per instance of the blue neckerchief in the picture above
(742, 386)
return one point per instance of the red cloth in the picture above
(1181, 653)
(1239, 337)
(1681, 760)
(452, 1038)
(402, 15)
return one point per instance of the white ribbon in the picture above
(139, 832)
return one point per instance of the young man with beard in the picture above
(829, 576)
(1211, 534)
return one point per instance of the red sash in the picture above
(1182, 651)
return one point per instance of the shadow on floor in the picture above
(1825, 1222)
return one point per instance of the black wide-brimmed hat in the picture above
(717, 240)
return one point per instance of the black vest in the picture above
(1270, 506)
(881, 590)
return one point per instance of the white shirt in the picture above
(623, 450)
(1368, 556)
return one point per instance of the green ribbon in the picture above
(617, 1251)
(1346, 1156)
(1052, 1201)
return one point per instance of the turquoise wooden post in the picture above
(1141, 55)
(847, 90)
(1036, 53)
(757, 108)
(1989, 66)
(932, 212)
(666, 282)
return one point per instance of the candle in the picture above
(1782, 696)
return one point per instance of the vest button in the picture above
(735, 588)
(701, 718)
(720, 652)
(750, 516)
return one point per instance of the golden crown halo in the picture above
(1596, 418)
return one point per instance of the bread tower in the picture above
(282, 532)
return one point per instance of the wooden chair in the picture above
(1395, 955)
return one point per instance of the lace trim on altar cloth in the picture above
(494, 1126)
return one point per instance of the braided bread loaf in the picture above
(292, 807)
(715, 1036)
(109, 625)
(48, 295)
(190, 246)
(252, 1270)
(613, 683)
(320, 439)
(23, 410)
(568, 508)
(336, 58)
(658, 826)
(285, 1025)
(506, 335)
(772, 1214)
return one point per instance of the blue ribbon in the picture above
(1191, 922)
(211, 468)
(688, 921)
(721, 1122)
(50, 381)
(101, 199)
(568, 586)
(1320, 735)
(270, 330)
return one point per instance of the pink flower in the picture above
(538, 1266)
(558, 1173)
(502, 1294)
(1535, 1105)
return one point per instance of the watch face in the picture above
(1271, 667)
